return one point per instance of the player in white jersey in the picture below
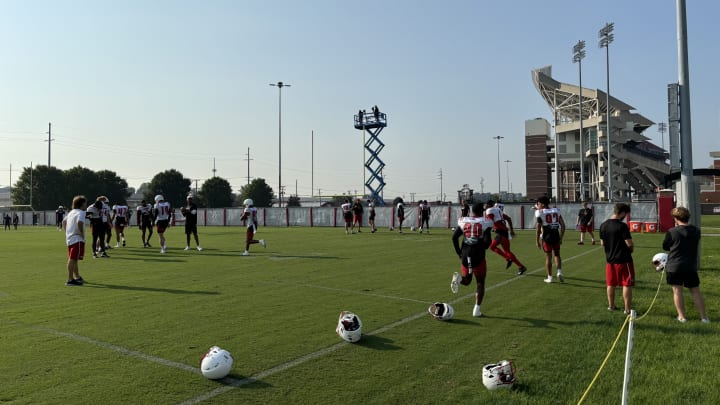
(551, 228)
(119, 219)
(249, 217)
(162, 211)
(475, 231)
(106, 219)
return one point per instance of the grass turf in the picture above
(136, 331)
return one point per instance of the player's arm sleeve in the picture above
(667, 242)
(456, 240)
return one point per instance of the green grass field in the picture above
(135, 332)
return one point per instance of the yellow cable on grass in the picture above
(627, 318)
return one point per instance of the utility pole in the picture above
(248, 165)
(213, 169)
(440, 176)
(662, 127)
(312, 162)
(49, 140)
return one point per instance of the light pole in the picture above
(578, 55)
(498, 160)
(279, 85)
(606, 37)
(507, 170)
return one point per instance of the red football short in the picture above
(619, 274)
(76, 251)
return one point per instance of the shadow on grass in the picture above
(377, 343)
(149, 289)
(537, 322)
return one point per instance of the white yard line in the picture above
(232, 383)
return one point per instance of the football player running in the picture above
(249, 216)
(475, 231)
(503, 228)
(551, 228)
(145, 221)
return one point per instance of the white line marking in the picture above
(292, 363)
(231, 383)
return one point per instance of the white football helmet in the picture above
(216, 363)
(441, 311)
(248, 202)
(349, 327)
(500, 375)
(159, 198)
(659, 261)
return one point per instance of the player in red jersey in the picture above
(502, 226)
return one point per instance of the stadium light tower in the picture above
(507, 171)
(279, 85)
(578, 56)
(498, 139)
(606, 37)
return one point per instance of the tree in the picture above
(48, 188)
(172, 185)
(293, 201)
(116, 188)
(215, 193)
(259, 191)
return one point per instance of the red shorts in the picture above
(619, 274)
(551, 248)
(586, 228)
(479, 270)
(162, 225)
(76, 251)
(357, 218)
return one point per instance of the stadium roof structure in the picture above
(638, 166)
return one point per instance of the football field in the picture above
(136, 331)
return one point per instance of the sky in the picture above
(140, 87)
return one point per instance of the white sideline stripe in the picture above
(233, 383)
(320, 287)
(120, 349)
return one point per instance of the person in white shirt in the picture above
(74, 225)
(249, 216)
(162, 219)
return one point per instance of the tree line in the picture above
(45, 188)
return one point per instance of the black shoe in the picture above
(123, 243)
(508, 263)
(148, 244)
(104, 255)
(72, 282)
(80, 280)
(521, 270)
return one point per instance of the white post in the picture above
(628, 352)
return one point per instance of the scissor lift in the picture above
(373, 124)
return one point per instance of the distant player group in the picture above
(103, 219)
(475, 230)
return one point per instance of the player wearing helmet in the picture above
(162, 211)
(475, 231)
(249, 217)
(550, 227)
(503, 228)
(145, 221)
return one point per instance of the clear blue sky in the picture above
(139, 87)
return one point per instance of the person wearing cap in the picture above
(189, 211)
(162, 212)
